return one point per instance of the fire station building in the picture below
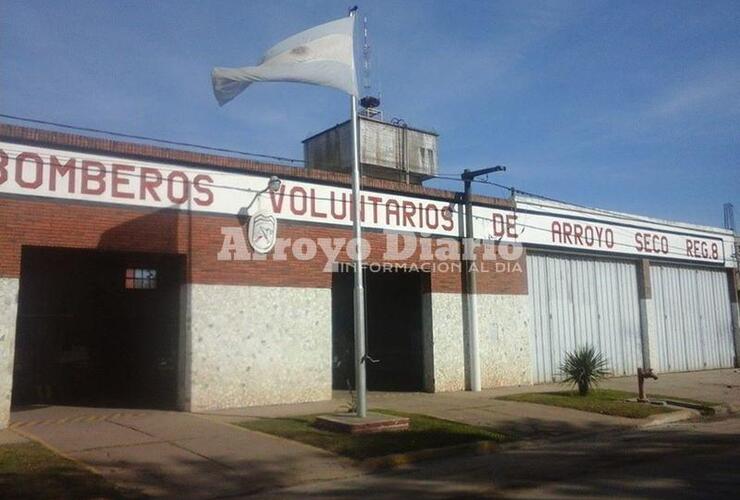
(138, 276)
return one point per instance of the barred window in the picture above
(141, 279)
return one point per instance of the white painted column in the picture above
(647, 315)
(8, 315)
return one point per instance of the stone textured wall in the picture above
(444, 360)
(504, 340)
(258, 345)
(503, 336)
(8, 313)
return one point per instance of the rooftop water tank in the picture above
(388, 150)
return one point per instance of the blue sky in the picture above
(631, 106)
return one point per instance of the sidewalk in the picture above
(181, 455)
(522, 420)
(714, 386)
(184, 455)
(177, 455)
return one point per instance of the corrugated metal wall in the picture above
(577, 301)
(693, 321)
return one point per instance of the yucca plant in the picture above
(584, 368)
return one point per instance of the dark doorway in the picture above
(394, 330)
(97, 328)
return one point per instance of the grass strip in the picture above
(29, 470)
(602, 401)
(425, 432)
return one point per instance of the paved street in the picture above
(697, 460)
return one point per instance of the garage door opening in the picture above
(394, 330)
(579, 301)
(97, 328)
(693, 318)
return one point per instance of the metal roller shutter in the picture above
(577, 301)
(693, 321)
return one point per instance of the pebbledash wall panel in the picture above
(8, 314)
(578, 301)
(693, 318)
(504, 341)
(248, 347)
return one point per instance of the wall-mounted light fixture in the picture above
(274, 183)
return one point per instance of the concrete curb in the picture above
(399, 460)
(670, 418)
(720, 410)
(478, 448)
(706, 410)
(724, 410)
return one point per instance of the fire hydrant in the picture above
(642, 374)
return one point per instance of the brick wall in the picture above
(39, 222)
(26, 221)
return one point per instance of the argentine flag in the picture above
(323, 55)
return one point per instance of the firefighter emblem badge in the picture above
(262, 231)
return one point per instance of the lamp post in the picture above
(471, 278)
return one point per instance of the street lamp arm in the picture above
(470, 175)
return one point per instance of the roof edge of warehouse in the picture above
(144, 151)
(550, 203)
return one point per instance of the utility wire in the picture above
(234, 151)
(151, 139)
(510, 189)
(347, 200)
(589, 210)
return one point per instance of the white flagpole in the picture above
(359, 292)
